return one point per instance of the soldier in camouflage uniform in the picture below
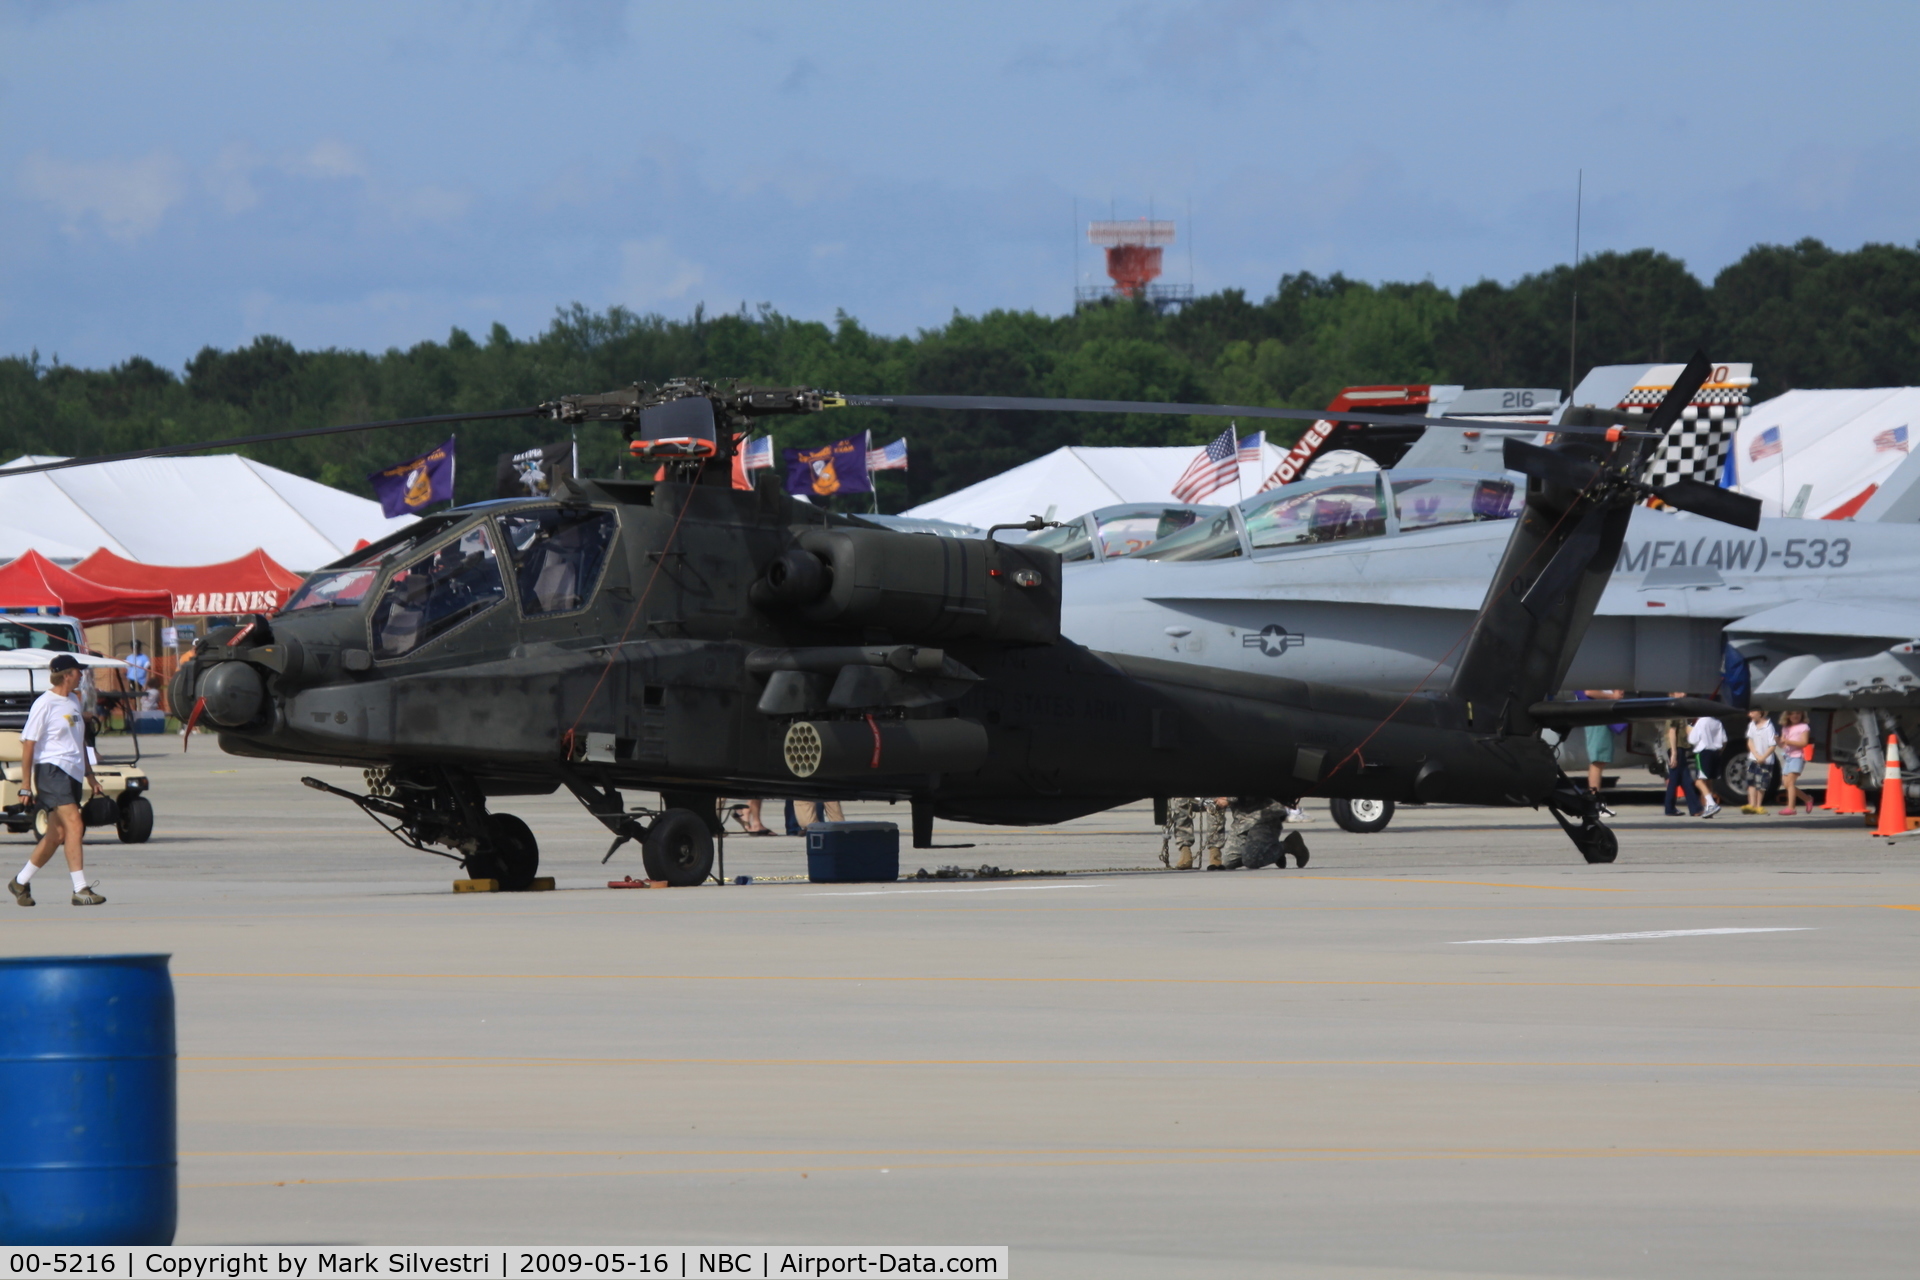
(1179, 832)
(1256, 835)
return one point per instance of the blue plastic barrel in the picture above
(87, 1153)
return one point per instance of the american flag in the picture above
(1765, 445)
(1250, 447)
(1890, 440)
(891, 458)
(757, 453)
(1218, 464)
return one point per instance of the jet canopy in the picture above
(1121, 530)
(1343, 508)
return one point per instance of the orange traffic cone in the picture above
(1843, 796)
(1893, 796)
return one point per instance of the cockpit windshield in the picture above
(330, 587)
(1125, 530)
(1343, 508)
(1427, 500)
(1209, 538)
(556, 556)
(437, 593)
(1330, 509)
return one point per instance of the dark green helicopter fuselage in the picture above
(658, 681)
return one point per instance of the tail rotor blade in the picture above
(1714, 503)
(1680, 395)
(1549, 465)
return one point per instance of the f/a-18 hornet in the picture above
(683, 637)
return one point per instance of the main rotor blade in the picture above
(1549, 465)
(1680, 395)
(1046, 404)
(173, 450)
(1712, 502)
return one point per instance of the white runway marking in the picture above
(1616, 937)
(998, 888)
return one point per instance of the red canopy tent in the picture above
(35, 581)
(255, 583)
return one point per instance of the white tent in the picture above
(184, 511)
(1823, 454)
(1075, 479)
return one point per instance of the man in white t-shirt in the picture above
(53, 764)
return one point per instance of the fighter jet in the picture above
(1372, 579)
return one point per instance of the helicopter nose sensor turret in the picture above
(235, 694)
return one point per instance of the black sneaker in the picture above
(87, 898)
(22, 895)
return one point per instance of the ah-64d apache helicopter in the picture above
(684, 637)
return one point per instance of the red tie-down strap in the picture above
(199, 705)
(875, 726)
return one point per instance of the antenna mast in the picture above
(1573, 320)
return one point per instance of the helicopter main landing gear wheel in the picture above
(510, 855)
(1363, 817)
(678, 848)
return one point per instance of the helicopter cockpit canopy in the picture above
(1108, 532)
(1342, 508)
(436, 593)
(443, 571)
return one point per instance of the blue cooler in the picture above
(852, 852)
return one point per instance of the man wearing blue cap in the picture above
(53, 764)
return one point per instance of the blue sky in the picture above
(368, 175)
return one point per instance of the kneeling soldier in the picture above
(1255, 839)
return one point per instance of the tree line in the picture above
(1805, 315)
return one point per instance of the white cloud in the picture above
(125, 198)
(651, 272)
(329, 158)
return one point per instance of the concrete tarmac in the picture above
(1120, 1072)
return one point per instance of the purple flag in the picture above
(408, 488)
(840, 467)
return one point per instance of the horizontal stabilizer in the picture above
(1614, 710)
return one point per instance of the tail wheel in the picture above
(511, 855)
(1362, 816)
(135, 822)
(678, 848)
